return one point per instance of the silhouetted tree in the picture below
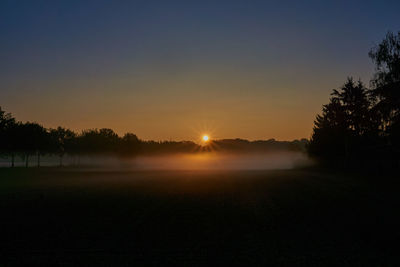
(328, 140)
(354, 99)
(62, 141)
(94, 141)
(386, 86)
(361, 124)
(7, 137)
(129, 145)
(35, 140)
(339, 134)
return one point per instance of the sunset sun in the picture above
(205, 138)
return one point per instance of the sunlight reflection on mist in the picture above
(213, 161)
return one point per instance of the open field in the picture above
(64, 217)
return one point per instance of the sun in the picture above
(205, 138)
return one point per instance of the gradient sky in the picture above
(174, 69)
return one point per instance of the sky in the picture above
(173, 70)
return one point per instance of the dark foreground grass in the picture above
(65, 217)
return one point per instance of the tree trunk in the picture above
(38, 159)
(26, 160)
(12, 160)
(61, 160)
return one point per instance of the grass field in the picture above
(69, 217)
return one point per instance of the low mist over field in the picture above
(184, 161)
(214, 161)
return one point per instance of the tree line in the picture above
(30, 139)
(24, 140)
(360, 126)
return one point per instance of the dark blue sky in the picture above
(164, 69)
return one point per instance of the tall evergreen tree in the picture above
(339, 131)
(356, 103)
